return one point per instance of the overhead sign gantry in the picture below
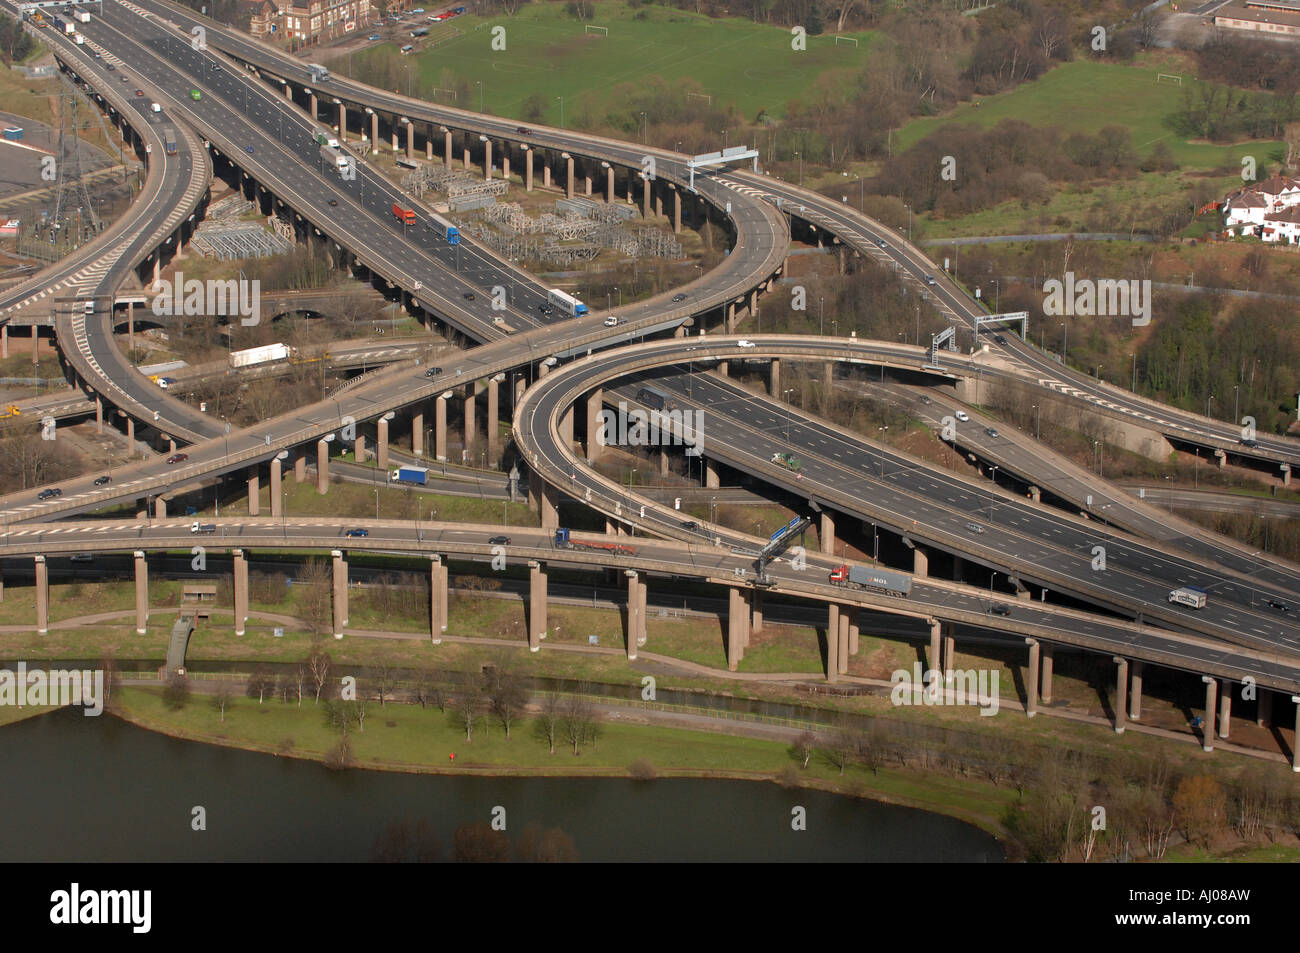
(715, 160)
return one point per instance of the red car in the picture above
(178, 458)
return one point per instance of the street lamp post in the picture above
(1134, 386)
(1207, 405)
(785, 396)
(1236, 402)
(994, 478)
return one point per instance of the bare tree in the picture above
(427, 691)
(176, 693)
(221, 700)
(505, 692)
(804, 747)
(550, 845)
(548, 724)
(576, 717)
(411, 840)
(300, 676)
(466, 709)
(479, 843)
(260, 682)
(315, 601)
(318, 667)
(384, 676)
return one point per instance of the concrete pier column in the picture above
(949, 652)
(1295, 744)
(4, 340)
(374, 132)
(437, 599)
(410, 139)
(1225, 709)
(920, 562)
(647, 191)
(447, 147)
(1135, 691)
(1045, 686)
(277, 501)
(99, 409)
(241, 591)
(1031, 679)
(417, 432)
(340, 592)
(130, 437)
(487, 159)
(833, 643)
(160, 508)
(343, 123)
(826, 532)
(141, 593)
(470, 405)
(609, 183)
(595, 401)
(381, 443)
(677, 211)
(1264, 709)
(546, 175)
(1211, 694)
(311, 106)
(1121, 693)
(774, 378)
(469, 161)
(932, 660)
(737, 627)
(528, 169)
(635, 612)
(505, 165)
(711, 480)
(440, 426)
(536, 604)
(254, 491)
(568, 177)
(300, 467)
(1285, 469)
(730, 320)
(493, 415)
(756, 612)
(587, 185)
(42, 596)
(322, 466)
(843, 655)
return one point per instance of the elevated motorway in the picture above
(931, 601)
(926, 506)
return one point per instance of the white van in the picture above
(156, 107)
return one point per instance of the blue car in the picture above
(358, 532)
(374, 36)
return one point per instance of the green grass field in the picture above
(1086, 96)
(551, 53)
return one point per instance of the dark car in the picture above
(882, 243)
(545, 309)
(1000, 339)
(991, 431)
(103, 481)
(523, 131)
(139, 92)
(1279, 606)
(334, 203)
(83, 557)
(690, 524)
(433, 372)
(468, 296)
(358, 532)
(1247, 442)
(248, 149)
(178, 458)
(1000, 610)
(111, 68)
(679, 297)
(49, 494)
(499, 541)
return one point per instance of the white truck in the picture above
(265, 354)
(83, 16)
(1190, 596)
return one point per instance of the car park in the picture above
(178, 458)
(961, 415)
(499, 541)
(49, 494)
(103, 481)
(352, 533)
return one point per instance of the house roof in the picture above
(1290, 216)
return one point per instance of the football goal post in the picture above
(598, 30)
(1173, 78)
(846, 39)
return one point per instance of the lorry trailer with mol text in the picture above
(878, 580)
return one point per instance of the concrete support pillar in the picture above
(42, 596)
(711, 480)
(587, 185)
(1225, 709)
(322, 466)
(1135, 691)
(826, 532)
(471, 424)
(311, 106)
(677, 211)
(446, 148)
(340, 593)
(437, 599)
(536, 604)
(374, 132)
(843, 655)
(494, 416)
(300, 467)
(833, 643)
(609, 184)
(568, 181)
(160, 508)
(737, 627)
(343, 123)
(487, 159)
(528, 170)
(663, 460)
(440, 427)
(130, 436)
(277, 499)
(1045, 686)
(920, 562)
(1035, 494)
(1121, 693)
(949, 652)
(505, 165)
(410, 139)
(99, 409)
(254, 491)
(141, 593)
(546, 175)
(730, 323)
(756, 612)
(381, 443)
(647, 190)
(4, 340)
(417, 432)
(1211, 694)
(241, 591)
(932, 661)
(1264, 708)
(1031, 680)
(774, 378)
(595, 401)
(636, 600)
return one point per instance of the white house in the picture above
(1249, 209)
(1282, 226)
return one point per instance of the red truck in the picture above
(404, 215)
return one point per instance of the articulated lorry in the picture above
(1191, 596)
(416, 475)
(877, 580)
(261, 355)
(333, 160)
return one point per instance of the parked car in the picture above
(358, 532)
(499, 541)
(103, 481)
(178, 458)
(49, 494)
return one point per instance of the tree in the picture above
(545, 846)
(505, 692)
(410, 840)
(575, 716)
(176, 693)
(466, 709)
(842, 743)
(548, 724)
(1201, 807)
(315, 596)
(221, 700)
(318, 667)
(427, 691)
(300, 676)
(260, 682)
(384, 676)
(341, 715)
(804, 747)
(479, 844)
